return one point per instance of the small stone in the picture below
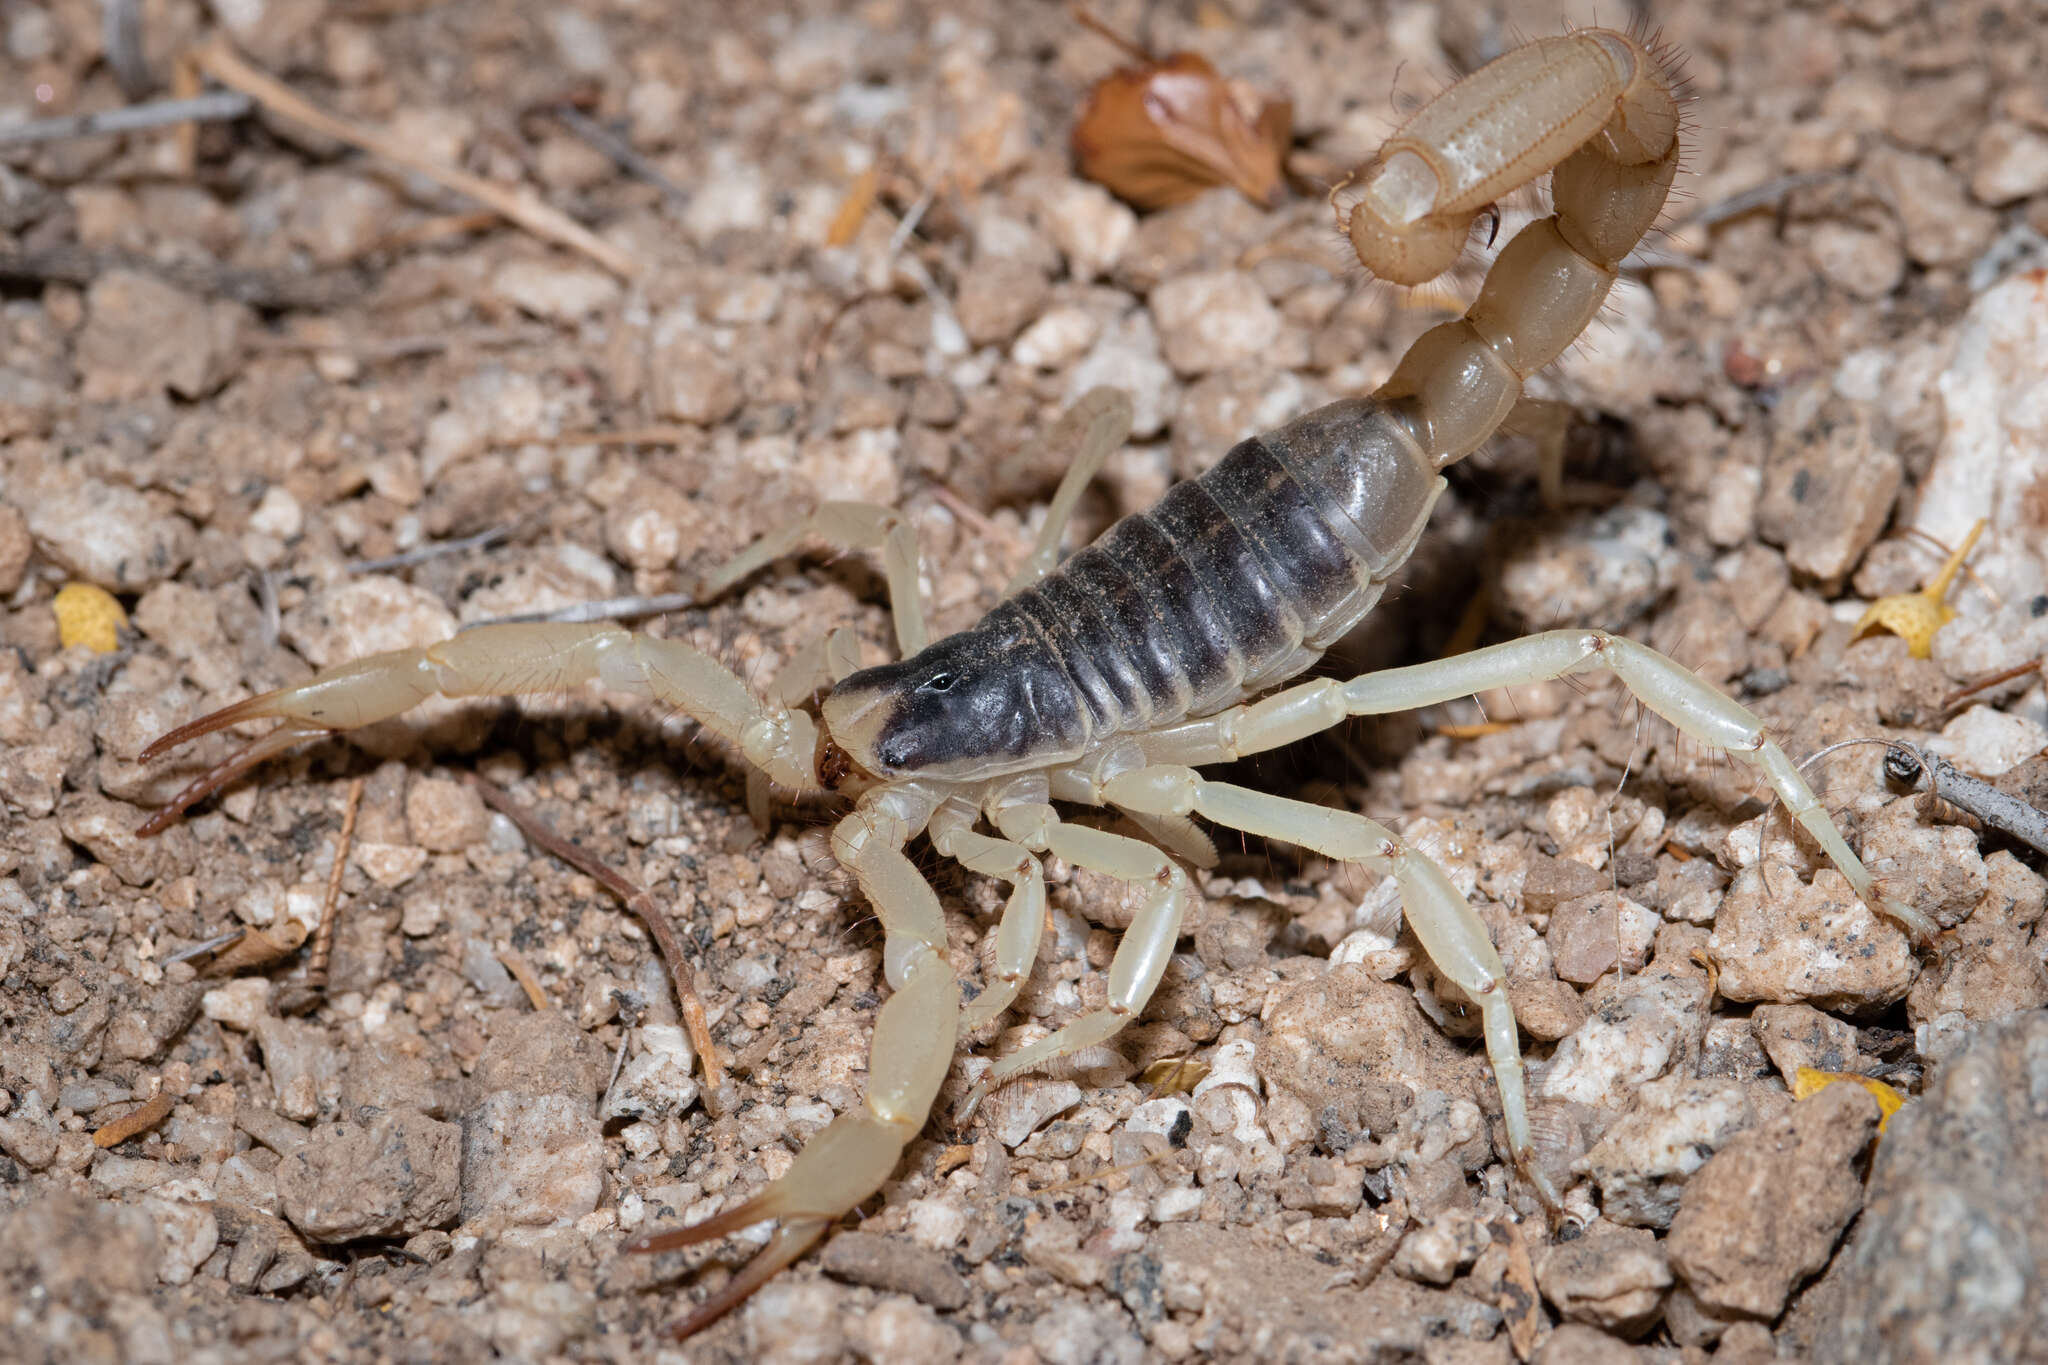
(531, 1160)
(395, 1175)
(1164, 1117)
(392, 1076)
(186, 1232)
(1994, 450)
(1990, 968)
(655, 1081)
(1779, 939)
(1637, 1029)
(688, 381)
(1553, 881)
(1942, 226)
(2011, 164)
(1603, 570)
(1800, 1035)
(1015, 1112)
(555, 291)
(543, 1053)
(1826, 497)
(894, 1264)
(142, 336)
(1352, 1048)
(445, 816)
(1945, 1263)
(389, 865)
(1574, 1343)
(997, 297)
(1985, 741)
(1057, 338)
(1436, 1251)
(15, 545)
(304, 1067)
(1212, 320)
(1592, 935)
(1644, 1159)
(1545, 1007)
(1127, 358)
(1073, 1333)
(106, 830)
(1865, 263)
(795, 1322)
(109, 534)
(1088, 224)
(338, 217)
(1612, 1278)
(1765, 1210)
(651, 527)
(898, 1329)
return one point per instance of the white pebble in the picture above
(238, 1004)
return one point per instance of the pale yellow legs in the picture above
(915, 1033)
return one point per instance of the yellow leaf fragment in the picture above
(88, 615)
(1916, 617)
(1807, 1082)
(1174, 1075)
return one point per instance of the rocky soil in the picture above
(289, 405)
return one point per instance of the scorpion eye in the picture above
(939, 682)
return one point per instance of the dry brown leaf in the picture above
(1161, 132)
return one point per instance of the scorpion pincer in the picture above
(1111, 678)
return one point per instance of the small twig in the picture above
(80, 266)
(121, 37)
(2004, 675)
(323, 939)
(135, 1121)
(273, 611)
(221, 62)
(607, 609)
(1757, 196)
(2000, 810)
(619, 150)
(695, 1021)
(129, 118)
(371, 350)
(528, 982)
(203, 947)
(434, 550)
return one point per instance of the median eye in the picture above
(939, 682)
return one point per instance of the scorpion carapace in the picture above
(1109, 679)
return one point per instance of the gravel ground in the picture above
(240, 377)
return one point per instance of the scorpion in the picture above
(1111, 678)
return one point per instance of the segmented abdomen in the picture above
(1238, 579)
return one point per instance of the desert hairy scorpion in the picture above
(1111, 678)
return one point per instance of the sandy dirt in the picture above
(248, 383)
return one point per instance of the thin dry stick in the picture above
(220, 61)
(132, 118)
(528, 982)
(434, 550)
(137, 1120)
(637, 900)
(323, 941)
(619, 150)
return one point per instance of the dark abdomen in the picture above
(1238, 579)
